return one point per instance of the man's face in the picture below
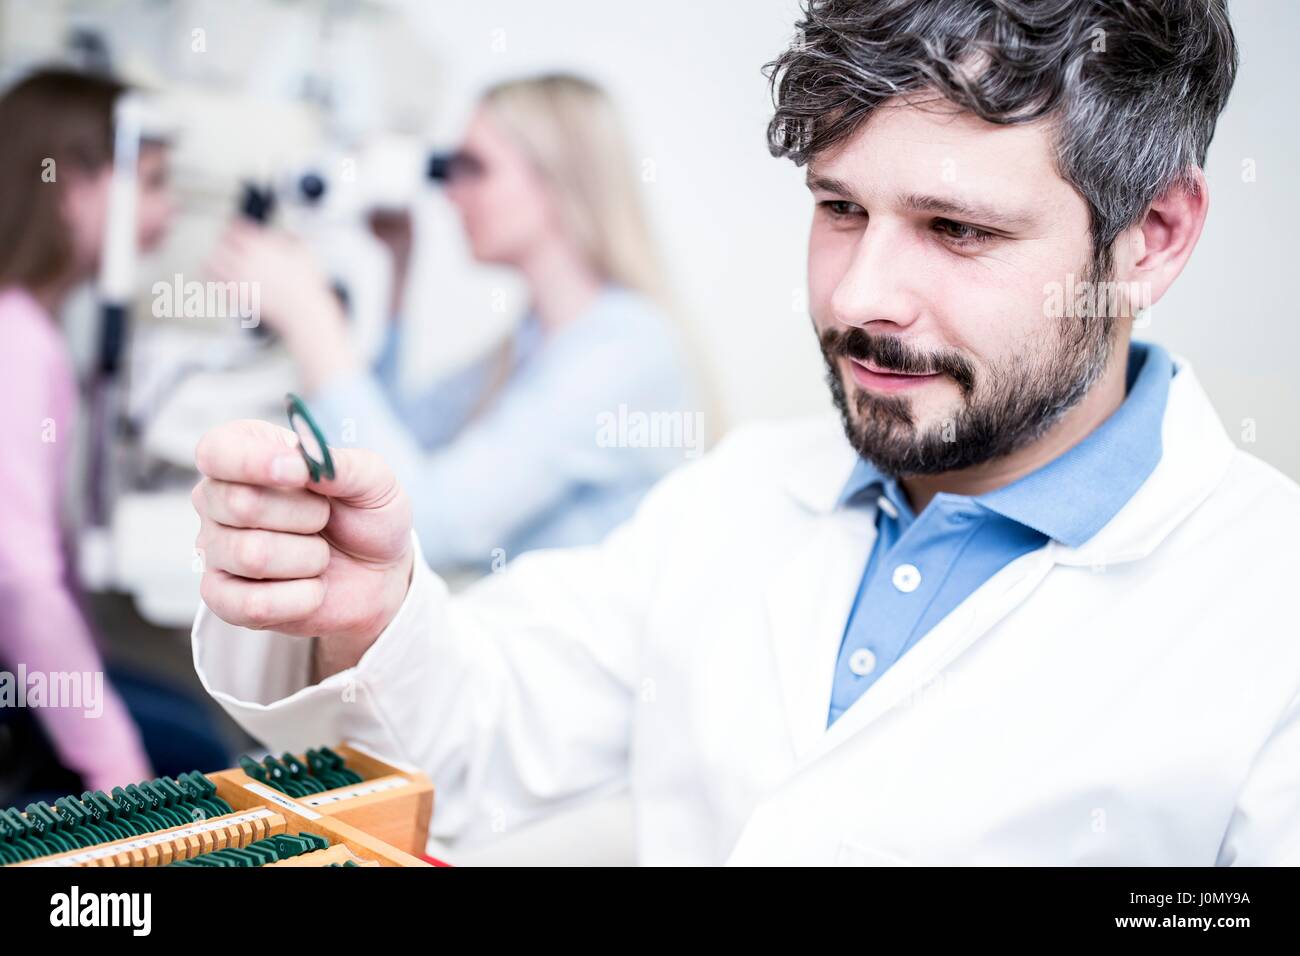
(934, 239)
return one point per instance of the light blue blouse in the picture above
(541, 466)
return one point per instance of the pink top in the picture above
(43, 634)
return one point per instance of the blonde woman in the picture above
(506, 455)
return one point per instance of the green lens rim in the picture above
(297, 408)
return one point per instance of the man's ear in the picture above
(1157, 248)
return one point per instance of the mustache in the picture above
(889, 353)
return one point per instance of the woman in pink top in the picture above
(55, 162)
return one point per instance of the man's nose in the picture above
(879, 284)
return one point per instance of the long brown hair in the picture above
(55, 122)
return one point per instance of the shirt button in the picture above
(907, 578)
(862, 662)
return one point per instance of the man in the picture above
(1071, 641)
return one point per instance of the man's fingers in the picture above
(260, 604)
(253, 453)
(263, 555)
(238, 505)
(259, 453)
(361, 479)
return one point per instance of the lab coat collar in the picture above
(809, 593)
(1196, 453)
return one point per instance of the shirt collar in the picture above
(867, 481)
(1075, 494)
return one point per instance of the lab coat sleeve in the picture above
(1265, 825)
(515, 697)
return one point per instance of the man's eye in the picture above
(841, 207)
(960, 233)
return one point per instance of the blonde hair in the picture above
(568, 127)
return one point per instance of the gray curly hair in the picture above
(1133, 87)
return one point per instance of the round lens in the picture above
(310, 440)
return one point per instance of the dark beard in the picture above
(1011, 408)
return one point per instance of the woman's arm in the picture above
(517, 462)
(436, 412)
(510, 467)
(295, 300)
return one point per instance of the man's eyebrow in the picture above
(827, 184)
(965, 211)
(974, 213)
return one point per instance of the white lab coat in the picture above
(1131, 701)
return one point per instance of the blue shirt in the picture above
(531, 470)
(922, 566)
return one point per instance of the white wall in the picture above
(1233, 311)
